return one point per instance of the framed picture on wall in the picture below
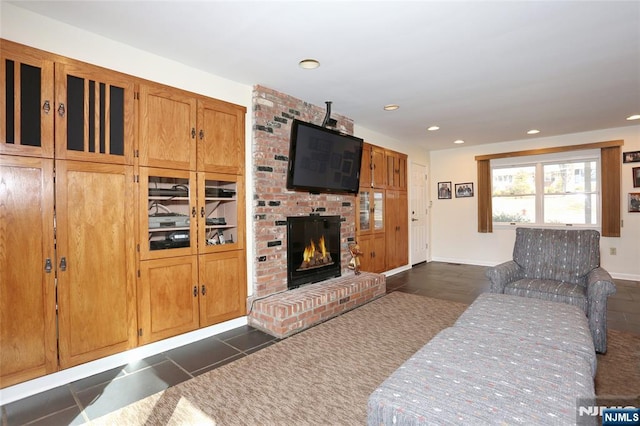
(444, 190)
(464, 189)
(636, 177)
(634, 202)
(631, 157)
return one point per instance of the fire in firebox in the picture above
(315, 256)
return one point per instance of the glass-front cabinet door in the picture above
(371, 210)
(378, 210)
(220, 206)
(169, 220)
(364, 207)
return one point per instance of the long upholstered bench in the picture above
(507, 360)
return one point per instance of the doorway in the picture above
(419, 214)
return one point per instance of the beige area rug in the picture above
(324, 375)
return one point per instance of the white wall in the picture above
(454, 222)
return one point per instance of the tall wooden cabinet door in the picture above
(27, 287)
(220, 137)
(26, 101)
(366, 166)
(95, 260)
(223, 286)
(168, 297)
(378, 167)
(167, 127)
(397, 229)
(94, 114)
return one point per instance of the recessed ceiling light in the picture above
(432, 128)
(634, 117)
(459, 141)
(309, 64)
(533, 132)
(391, 107)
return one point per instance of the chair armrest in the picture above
(503, 274)
(599, 284)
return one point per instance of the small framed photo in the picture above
(636, 177)
(631, 157)
(464, 190)
(444, 190)
(634, 202)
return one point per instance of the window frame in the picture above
(538, 162)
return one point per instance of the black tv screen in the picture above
(323, 160)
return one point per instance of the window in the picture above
(610, 169)
(546, 190)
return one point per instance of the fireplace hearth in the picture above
(313, 249)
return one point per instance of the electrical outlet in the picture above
(612, 251)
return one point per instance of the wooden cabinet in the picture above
(167, 127)
(94, 113)
(68, 265)
(85, 154)
(397, 229)
(192, 212)
(220, 137)
(168, 298)
(396, 170)
(374, 257)
(382, 219)
(370, 228)
(167, 213)
(181, 294)
(223, 289)
(26, 101)
(95, 260)
(27, 270)
(181, 130)
(372, 169)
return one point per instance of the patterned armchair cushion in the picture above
(555, 254)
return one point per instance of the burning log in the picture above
(315, 256)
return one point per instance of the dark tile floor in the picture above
(95, 396)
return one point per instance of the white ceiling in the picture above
(483, 71)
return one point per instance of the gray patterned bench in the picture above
(505, 361)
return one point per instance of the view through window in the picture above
(546, 191)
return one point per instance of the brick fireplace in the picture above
(272, 307)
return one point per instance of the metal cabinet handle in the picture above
(195, 291)
(63, 264)
(201, 211)
(193, 133)
(46, 107)
(204, 290)
(193, 212)
(61, 110)
(48, 267)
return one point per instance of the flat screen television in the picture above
(323, 160)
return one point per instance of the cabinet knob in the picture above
(204, 290)
(201, 211)
(63, 264)
(48, 267)
(61, 110)
(46, 107)
(195, 291)
(201, 134)
(193, 212)
(193, 133)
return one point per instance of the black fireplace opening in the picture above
(313, 249)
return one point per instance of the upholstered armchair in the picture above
(562, 266)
